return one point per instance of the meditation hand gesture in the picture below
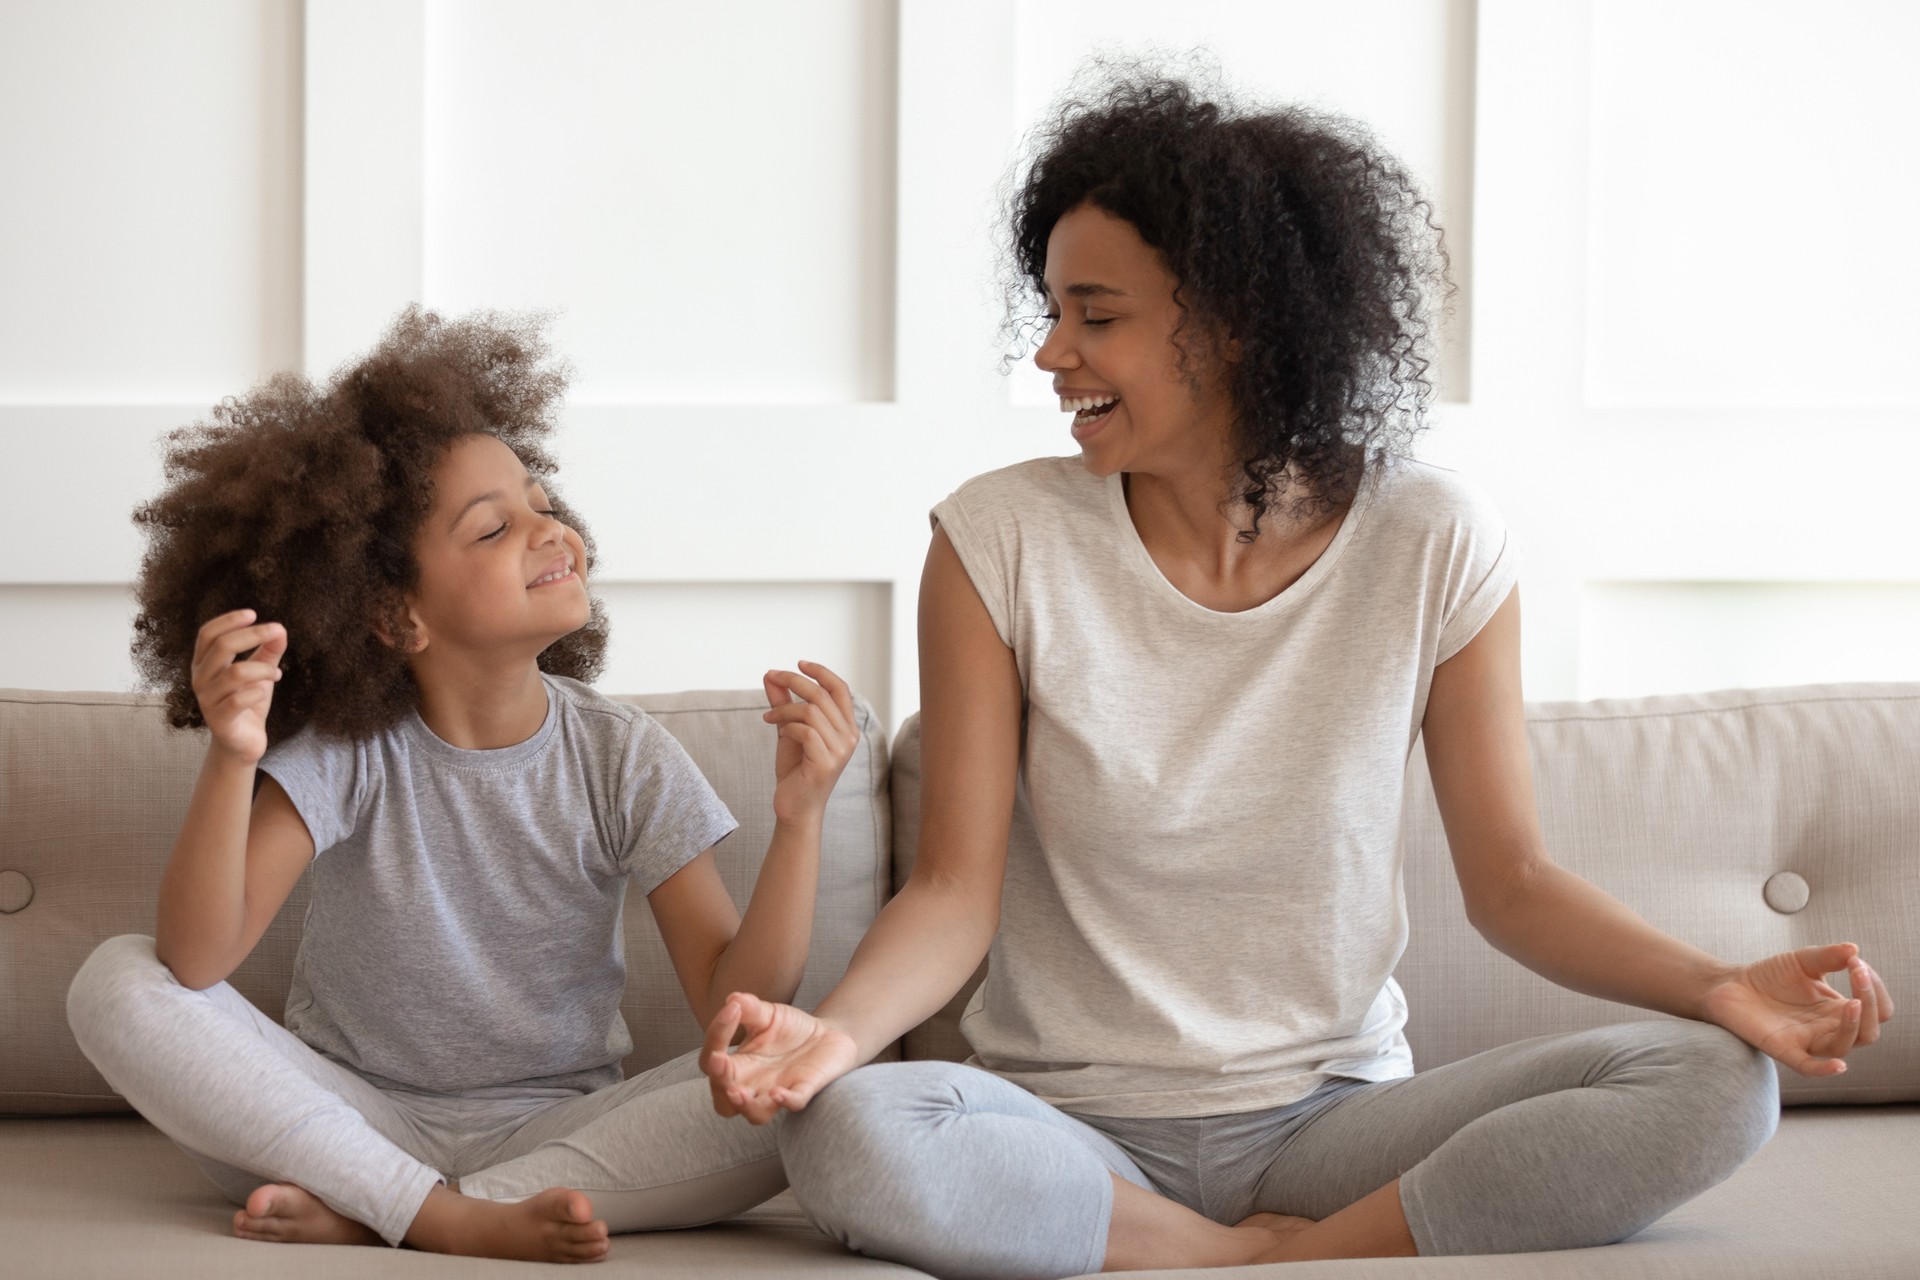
(235, 666)
(1783, 1006)
(788, 1056)
(818, 732)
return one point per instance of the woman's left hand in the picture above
(818, 732)
(1783, 1006)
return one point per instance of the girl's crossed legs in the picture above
(251, 1103)
(1554, 1143)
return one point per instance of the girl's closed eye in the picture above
(489, 537)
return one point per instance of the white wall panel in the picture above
(679, 635)
(706, 194)
(1676, 637)
(150, 235)
(1404, 67)
(66, 637)
(1755, 173)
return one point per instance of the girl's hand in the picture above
(818, 732)
(1783, 1006)
(788, 1056)
(235, 692)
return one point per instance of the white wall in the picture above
(1681, 360)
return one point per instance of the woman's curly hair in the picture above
(301, 502)
(1289, 232)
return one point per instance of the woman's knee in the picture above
(864, 1132)
(1731, 1086)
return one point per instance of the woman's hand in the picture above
(788, 1056)
(818, 732)
(235, 691)
(1783, 1006)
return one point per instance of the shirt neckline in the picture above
(1288, 597)
(488, 758)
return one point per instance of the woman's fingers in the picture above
(1840, 1040)
(1860, 978)
(1880, 990)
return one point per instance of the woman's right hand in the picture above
(234, 692)
(788, 1056)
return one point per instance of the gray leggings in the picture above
(252, 1103)
(1554, 1143)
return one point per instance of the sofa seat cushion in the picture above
(107, 1196)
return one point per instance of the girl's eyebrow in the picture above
(1090, 290)
(491, 495)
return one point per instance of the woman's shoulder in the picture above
(1409, 493)
(1036, 488)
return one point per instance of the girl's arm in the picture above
(1566, 929)
(929, 939)
(237, 857)
(716, 953)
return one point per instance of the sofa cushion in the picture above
(1686, 808)
(93, 787)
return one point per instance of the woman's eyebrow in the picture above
(491, 495)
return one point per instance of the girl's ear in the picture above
(400, 627)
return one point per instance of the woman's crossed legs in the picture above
(1553, 1143)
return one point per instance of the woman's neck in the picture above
(480, 708)
(1191, 524)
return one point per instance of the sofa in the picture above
(1746, 821)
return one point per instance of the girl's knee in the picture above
(118, 969)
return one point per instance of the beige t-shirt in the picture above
(1203, 902)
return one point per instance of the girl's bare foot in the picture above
(555, 1226)
(288, 1214)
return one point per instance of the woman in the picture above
(1169, 691)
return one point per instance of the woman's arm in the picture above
(930, 938)
(715, 953)
(237, 856)
(1564, 928)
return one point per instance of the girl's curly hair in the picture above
(301, 502)
(1289, 232)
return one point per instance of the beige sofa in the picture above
(1746, 821)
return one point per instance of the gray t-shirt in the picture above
(464, 930)
(1203, 901)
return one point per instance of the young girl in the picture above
(1168, 693)
(369, 596)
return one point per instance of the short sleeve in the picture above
(1482, 565)
(325, 777)
(672, 814)
(981, 540)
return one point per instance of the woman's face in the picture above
(1113, 356)
(498, 573)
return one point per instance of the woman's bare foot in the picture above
(555, 1226)
(1277, 1227)
(287, 1214)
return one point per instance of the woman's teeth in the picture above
(1087, 408)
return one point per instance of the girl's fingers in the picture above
(841, 691)
(814, 695)
(719, 1036)
(808, 739)
(212, 654)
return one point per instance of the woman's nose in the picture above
(1055, 352)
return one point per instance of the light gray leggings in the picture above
(1554, 1143)
(252, 1103)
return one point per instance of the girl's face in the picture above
(498, 573)
(1113, 356)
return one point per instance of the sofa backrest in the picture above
(1745, 822)
(93, 787)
